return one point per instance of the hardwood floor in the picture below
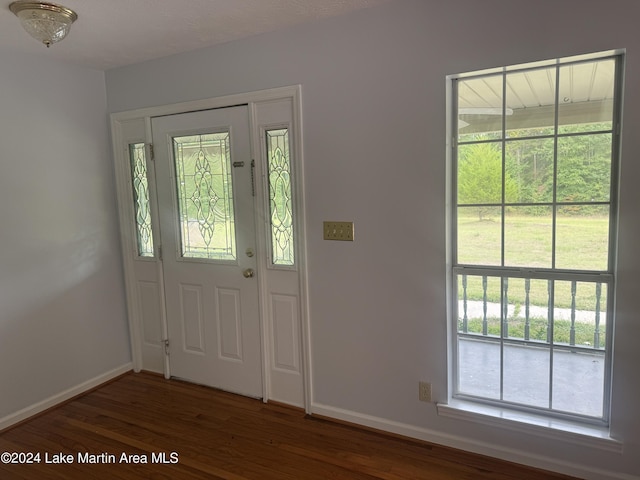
(215, 435)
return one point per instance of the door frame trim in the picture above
(135, 126)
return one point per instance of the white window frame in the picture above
(482, 410)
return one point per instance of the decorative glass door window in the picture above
(280, 198)
(205, 196)
(140, 184)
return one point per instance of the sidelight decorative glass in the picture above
(140, 184)
(280, 199)
(205, 196)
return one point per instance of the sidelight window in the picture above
(140, 185)
(280, 197)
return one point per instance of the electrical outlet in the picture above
(424, 391)
(338, 231)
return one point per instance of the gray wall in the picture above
(373, 85)
(62, 312)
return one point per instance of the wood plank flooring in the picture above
(210, 434)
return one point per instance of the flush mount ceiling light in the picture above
(46, 22)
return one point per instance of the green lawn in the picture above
(581, 244)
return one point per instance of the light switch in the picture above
(338, 231)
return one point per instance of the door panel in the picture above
(229, 324)
(206, 203)
(192, 318)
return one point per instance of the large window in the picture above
(534, 176)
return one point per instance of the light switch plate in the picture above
(338, 231)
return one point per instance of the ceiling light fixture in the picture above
(46, 22)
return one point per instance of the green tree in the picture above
(529, 161)
(584, 169)
(583, 165)
(480, 177)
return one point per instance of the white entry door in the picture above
(205, 196)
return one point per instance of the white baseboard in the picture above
(54, 400)
(462, 443)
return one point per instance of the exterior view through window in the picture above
(533, 235)
(205, 196)
(280, 197)
(140, 190)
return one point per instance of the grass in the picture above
(581, 244)
(584, 333)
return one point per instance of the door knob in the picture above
(248, 273)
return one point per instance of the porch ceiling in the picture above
(585, 91)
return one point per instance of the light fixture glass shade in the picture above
(46, 22)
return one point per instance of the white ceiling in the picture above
(113, 33)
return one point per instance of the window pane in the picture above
(529, 171)
(578, 375)
(479, 233)
(140, 183)
(584, 168)
(479, 314)
(480, 108)
(528, 310)
(479, 368)
(578, 382)
(579, 314)
(586, 96)
(479, 305)
(280, 199)
(480, 173)
(531, 97)
(526, 375)
(205, 196)
(582, 237)
(578, 319)
(528, 238)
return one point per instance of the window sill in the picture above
(585, 435)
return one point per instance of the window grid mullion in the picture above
(554, 208)
(554, 225)
(551, 313)
(541, 137)
(503, 308)
(503, 312)
(504, 169)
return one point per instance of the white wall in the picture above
(62, 312)
(373, 86)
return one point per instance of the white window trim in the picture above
(577, 433)
(545, 426)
